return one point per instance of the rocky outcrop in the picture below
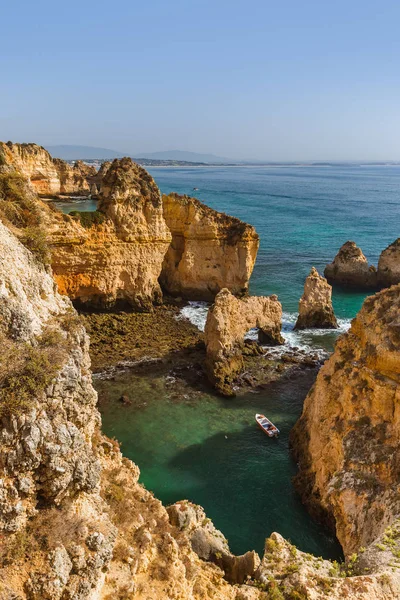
(315, 306)
(75, 522)
(389, 265)
(210, 544)
(48, 176)
(209, 250)
(228, 321)
(287, 573)
(350, 269)
(118, 258)
(347, 441)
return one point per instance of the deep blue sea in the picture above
(211, 451)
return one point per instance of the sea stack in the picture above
(227, 322)
(350, 269)
(315, 306)
(389, 265)
(209, 250)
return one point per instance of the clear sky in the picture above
(281, 80)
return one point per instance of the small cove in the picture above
(209, 450)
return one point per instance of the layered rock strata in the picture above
(389, 265)
(228, 320)
(210, 544)
(347, 440)
(76, 523)
(48, 176)
(209, 250)
(350, 269)
(119, 258)
(315, 306)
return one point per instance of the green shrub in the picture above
(88, 219)
(15, 203)
(34, 238)
(26, 371)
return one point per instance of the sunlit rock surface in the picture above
(209, 250)
(227, 322)
(315, 306)
(350, 269)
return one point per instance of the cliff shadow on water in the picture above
(194, 444)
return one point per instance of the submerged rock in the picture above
(227, 322)
(315, 306)
(389, 265)
(209, 250)
(347, 441)
(350, 269)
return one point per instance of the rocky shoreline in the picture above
(75, 522)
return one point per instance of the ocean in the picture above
(209, 450)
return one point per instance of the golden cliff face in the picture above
(118, 258)
(228, 321)
(209, 250)
(347, 440)
(48, 176)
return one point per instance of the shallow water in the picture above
(210, 451)
(303, 215)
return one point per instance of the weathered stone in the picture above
(210, 544)
(315, 306)
(350, 269)
(389, 265)
(227, 322)
(48, 176)
(347, 441)
(209, 250)
(120, 259)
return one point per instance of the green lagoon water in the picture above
(207, 449)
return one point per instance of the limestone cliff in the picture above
(347, 440)
(208, 251)
(315, 306)
(48, 176)
(350, 269)
(227, 322)
(117, 256)
(75, 523)
(389, 265)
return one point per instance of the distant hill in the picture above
(82, 152)
(182, 155)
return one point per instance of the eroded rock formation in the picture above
(209, 250)
(315, 306)
(389, 265)
(75, 522)
(350, 269)
(347, 440)
(48, 176)
(210, 544)
(228, 321)
(119, 258)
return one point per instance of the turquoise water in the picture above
(303, 215)
(210, 451)
(207, 449)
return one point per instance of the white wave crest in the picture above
(309, 341)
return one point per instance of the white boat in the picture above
(266, 425)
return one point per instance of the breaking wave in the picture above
(310, 341)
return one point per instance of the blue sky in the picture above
(284, 80)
